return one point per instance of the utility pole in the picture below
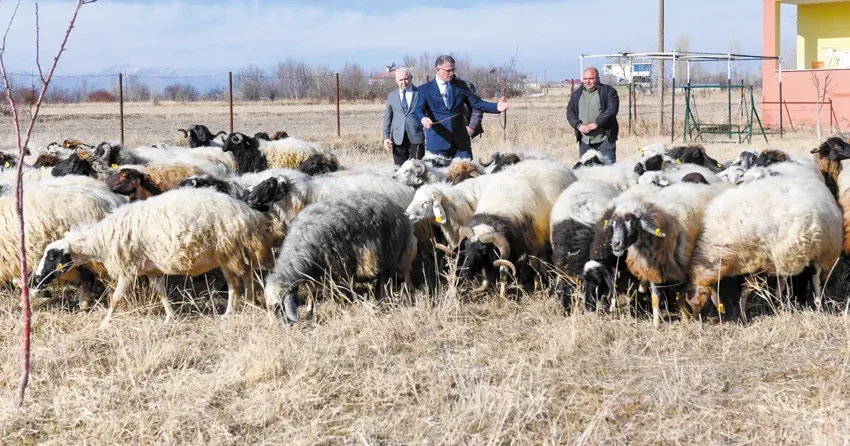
(659, 91)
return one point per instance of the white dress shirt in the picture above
(441, 84)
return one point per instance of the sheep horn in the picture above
(184, 132)
(499, 241)
(219, 134)
(466, 232)
(290, 308)
(444, 248)
(493, 158)
(507, 264)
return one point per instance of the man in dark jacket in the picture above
(473, 116)
(592, 112)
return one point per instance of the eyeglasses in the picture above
(450, 70)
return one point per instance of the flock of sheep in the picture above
(671, 224)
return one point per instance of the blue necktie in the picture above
(404, 101)
(448, 95)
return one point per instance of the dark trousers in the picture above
(606, 148)
(452, 152)
(407, 151)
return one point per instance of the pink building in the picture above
(823, 52)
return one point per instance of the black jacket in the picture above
(607, 120)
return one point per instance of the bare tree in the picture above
(821, 91)
(22, 141)
(251, 81)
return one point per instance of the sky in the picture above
(210, 37)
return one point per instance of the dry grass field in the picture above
(458, 368)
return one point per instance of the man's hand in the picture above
(426, 122)
(388, 145)
(583, 129)
(592, 126)
(503, 104)
(470, 131)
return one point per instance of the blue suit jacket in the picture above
(451, 133)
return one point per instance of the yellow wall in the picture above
(821, 25)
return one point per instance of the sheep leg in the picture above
(87, 279)
(656, 300)
(159, 284)
(503, 278)
(311, 300)
(120, 290)
(248, 289)
(745, 296)
(816, 285)
(234, 287)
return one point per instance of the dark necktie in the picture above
(404, 101)
(448, 95)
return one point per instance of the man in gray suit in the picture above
(403, 134)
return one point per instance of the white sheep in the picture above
(777, 225)
(181, 232)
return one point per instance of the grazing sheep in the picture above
(52, 207)
(253, 155)
(512, 217)
(659, 230)
(415, 173)
(362, 236)
(830, 158)
(151, 180)
(789, 223)
(181, 232)
(200, 135)
(572, 225)
(461, 170)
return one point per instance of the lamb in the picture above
(659, 231)
(572, 225)
(53, 207)
(790, 222)
(181, 232)
(200, 136)
(253, 155)
(363, 236)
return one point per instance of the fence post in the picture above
(230, 96)
(336, 75)
(121, 104)
(505, 116)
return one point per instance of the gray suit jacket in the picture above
(396, 122)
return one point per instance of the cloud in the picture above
(226, 35)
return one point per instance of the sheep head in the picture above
(486, 248)
(494, 157)
(413, 173)
(133, 184)
(590, 158)
(626, 229)
(199, 135)
(239, 142)
(46, 160)
(269, 191)
(508, 159)
(319, 164)
(834, 148)
(768, 157)
(7, 161)
(73, 165)
(698, 296)
(427, 204)
(58, 259)
(460, 171)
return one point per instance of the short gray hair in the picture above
(406, 70)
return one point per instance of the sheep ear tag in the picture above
(439, 215)
(8, 165)
(652, 229)
(114, 166)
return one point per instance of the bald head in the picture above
(590, 78)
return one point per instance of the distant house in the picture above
(623, 74)
(823, 50)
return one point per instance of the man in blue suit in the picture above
(441, 112)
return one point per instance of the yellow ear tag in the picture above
(678, 161)
(438, 214)
(43, 169)
(605, 223)
(114, 166)
(658, 232)
(211, 187)
(721, 308)
(640, 150)
(719, 166)
(8, 165)
(60, 267)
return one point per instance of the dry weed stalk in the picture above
(19, 191)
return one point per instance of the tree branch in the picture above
(37, 61)
(19, 190)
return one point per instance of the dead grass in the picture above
(458, 369)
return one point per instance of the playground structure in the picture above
(693, 126)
